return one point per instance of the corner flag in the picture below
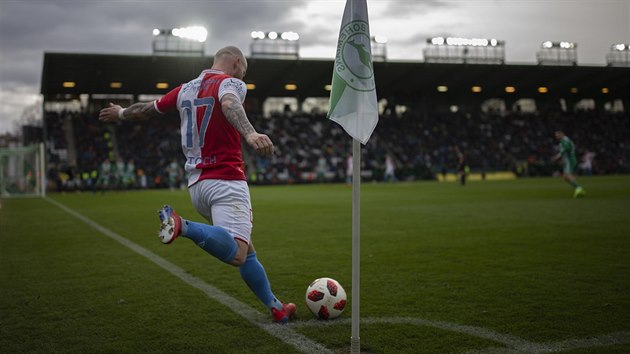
(353, 94)
(353, 106)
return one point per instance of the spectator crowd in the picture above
(311, 148)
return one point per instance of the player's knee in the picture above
(241, 254)
(239, 260)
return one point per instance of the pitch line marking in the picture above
(514, 344)
(284, 333)
(306, 345)
(508, 340)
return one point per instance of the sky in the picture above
(29, 28)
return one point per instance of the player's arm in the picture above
(137, 111)
(235, 114)
(141, 111)
(558, 156)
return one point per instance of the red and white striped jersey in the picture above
(212, 146)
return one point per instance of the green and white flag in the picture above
(353, 94)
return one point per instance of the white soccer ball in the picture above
(326, 298)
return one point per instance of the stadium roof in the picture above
(406, 81)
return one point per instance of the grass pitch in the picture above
(520, 258)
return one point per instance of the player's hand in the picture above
(261, 143)
(109, 114)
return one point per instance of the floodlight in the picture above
(290, 36)
(464, 50)
(437, 40)
(510, 89)
(290, 87)
(275, 44)
(380, 39)
(557, 53)
(480, 42)
(197, 33)
(156, 32)
(475, 89)
(442, 88)
(475, 42)
(620, 47)
(453, 41)
(258, 35)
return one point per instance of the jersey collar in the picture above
(212, 71)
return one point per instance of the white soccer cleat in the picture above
(170, 224)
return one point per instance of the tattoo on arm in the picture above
(138, 111)
(235, 114)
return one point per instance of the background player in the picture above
(461, 165)
(566, 152)
(212, 122)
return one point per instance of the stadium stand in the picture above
(311, 148)
(421, 138)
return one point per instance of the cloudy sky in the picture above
(28, 28)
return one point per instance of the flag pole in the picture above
(355, 341)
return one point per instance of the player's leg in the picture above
(214, 239)
(232, 210)
(568, 175)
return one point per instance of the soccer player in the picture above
(213, 121)
(566, 152)
(461, 165)
(389, 169)
(174, 174)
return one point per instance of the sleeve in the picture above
(234, 86)
(167, 102)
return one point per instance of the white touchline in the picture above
(284, 333)
(514, 344)
(306, 345)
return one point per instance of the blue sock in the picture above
(213, 239)
(574, 184)
(256, 278)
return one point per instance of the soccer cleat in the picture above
(170, 224)
(287, 313)
(579, 192)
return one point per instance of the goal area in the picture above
(22, 171)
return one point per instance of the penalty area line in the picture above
(285, 333)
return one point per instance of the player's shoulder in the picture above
(232, 82)
(233, 85)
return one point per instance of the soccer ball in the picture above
(326, 298)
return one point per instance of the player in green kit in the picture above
(566, 152)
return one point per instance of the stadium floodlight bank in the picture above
(619, 55)
(187, 41)
(22, 171)
(455, 50)
(557, 53)
(379, 48)
(275, 45)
